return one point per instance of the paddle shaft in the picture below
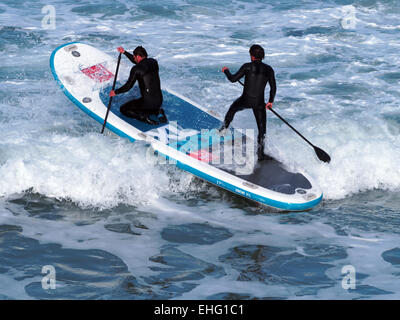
(110, 101)
(276, 113)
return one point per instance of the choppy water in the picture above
(115, 227)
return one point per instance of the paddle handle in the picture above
(113, 87)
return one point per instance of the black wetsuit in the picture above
(257, 74)
(146, 73)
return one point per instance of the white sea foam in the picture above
(89, 170)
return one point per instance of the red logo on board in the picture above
(202, 155)
(98, 72)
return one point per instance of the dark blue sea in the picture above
(83, 216)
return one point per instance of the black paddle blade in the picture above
(322, 155)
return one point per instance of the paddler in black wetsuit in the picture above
(145, 72)
(257, 74)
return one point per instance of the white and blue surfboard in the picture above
(189, 138)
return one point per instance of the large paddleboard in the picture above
(189, 139)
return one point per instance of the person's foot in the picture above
(145, 119)
(222, 131)
(264, 157)
(162, 117)
(149, 121)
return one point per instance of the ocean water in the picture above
(115, 227)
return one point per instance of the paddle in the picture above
(321, 154)
(113, 87)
